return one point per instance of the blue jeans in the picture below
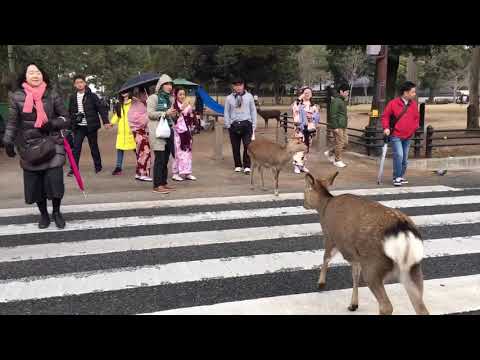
(400, 156)
(120, 154)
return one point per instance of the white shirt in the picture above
(80, 107)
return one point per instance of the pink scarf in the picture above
(34, 95)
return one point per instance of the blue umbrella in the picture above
(139, 80)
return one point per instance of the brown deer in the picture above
(269, 114)
(376, 240)
(267, 154)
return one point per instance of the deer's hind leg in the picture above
(261, 176)
(375, 274)
(356, 270)
(414, 288)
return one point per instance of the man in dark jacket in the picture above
(84, 108)
(338, 122)
(400, 120)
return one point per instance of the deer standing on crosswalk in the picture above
(376, 240)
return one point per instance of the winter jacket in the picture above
(92, 107)
(338, 113)
(20, 127)
(125, 139)
(157, 106)
(407, 125)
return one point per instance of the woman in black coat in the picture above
(36, 116)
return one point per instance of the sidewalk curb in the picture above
(449, 163)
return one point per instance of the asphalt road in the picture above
(142, 259)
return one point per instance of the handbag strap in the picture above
(396, 120)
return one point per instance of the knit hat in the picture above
(164, 79)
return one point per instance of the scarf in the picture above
(34, 96)
(238, 98)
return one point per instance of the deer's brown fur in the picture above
(267, 154)
(376, 240)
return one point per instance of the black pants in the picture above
(241, 132)
(79, 135)
(160, 165)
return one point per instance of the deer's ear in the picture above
(309, 179)
(331, 178)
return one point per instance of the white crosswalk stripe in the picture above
(259, 263)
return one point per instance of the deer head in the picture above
(316, 192)
(294, 146)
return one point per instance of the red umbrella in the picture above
(74, 166)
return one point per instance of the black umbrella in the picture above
(139, 80)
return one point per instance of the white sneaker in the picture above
(247, 171)
(146, 178)
(191, 177)
(177, 177)
(305, 170)
(296, 170)
(329, 157)
(238, 169)
(339, 164)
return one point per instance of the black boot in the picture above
(44, 221)
(57, 215)
(59, 220)
(44, 218)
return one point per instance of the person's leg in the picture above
(397, 155)
(78, 137)
(44, 218)
(235, 141)
(246, 140)
(93, 142)
(166, 154)
(120, 155)
(55, 190)
(157, 168)
(339, 143)
(406, 149)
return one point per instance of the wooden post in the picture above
(218, 139)
(429, 141)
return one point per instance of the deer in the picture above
(269, 114)
(268, 154)
(380, 243)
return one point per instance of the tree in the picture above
(445, 67)
(313, 64)
(352, 64)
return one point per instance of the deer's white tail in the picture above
(405, 247)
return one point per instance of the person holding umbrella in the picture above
(36, 117)
(159, 107)
(138, 120)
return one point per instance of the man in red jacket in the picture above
(400, 120)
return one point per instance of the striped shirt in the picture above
(80, 108)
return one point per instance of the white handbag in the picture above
(163, 130)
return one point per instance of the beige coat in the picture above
(154, 116)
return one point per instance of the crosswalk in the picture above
(227, 255)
